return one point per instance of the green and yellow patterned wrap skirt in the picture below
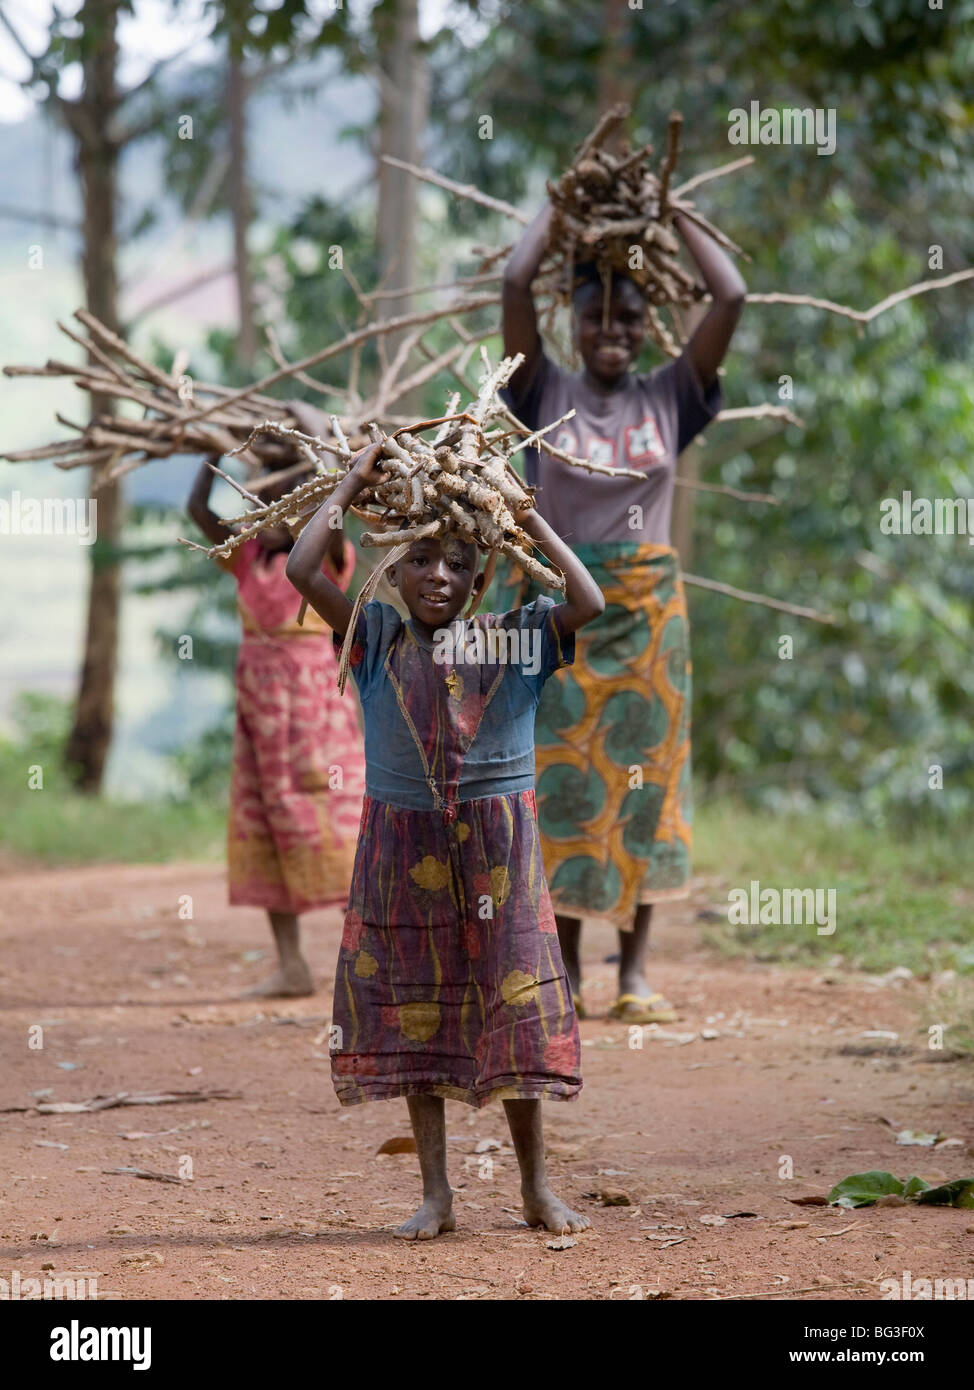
(613, 740)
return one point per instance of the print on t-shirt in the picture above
(566, 440)
(602, 451)
(643, 442)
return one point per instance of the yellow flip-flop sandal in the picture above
(580, 1009)
(632, 1008)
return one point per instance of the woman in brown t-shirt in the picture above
(613, 745)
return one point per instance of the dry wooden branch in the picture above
(211, 419)
(462, 190)
(86, 1107)
(148, 1173)
(794, 609)
(760, 412)
(864, 315)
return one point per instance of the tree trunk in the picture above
(403, 113)
(240, 205)
(92, 120)
(614, 70)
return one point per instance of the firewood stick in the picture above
(606, 124)
(760, 412)
(86, 460)
(462, 190)
(669, 163)
(728, 589)
(120, 346)
(708, 174)
(359, 336)
(274, 348)
(233, 483)
(864, 315)
(710, 229)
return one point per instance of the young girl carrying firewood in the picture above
(298, 765)
(450, 983)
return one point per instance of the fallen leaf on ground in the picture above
(401, 1144)
(711, 1220)
(815, 1200)
(562, 1243)
(924, 1141)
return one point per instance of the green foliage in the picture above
(863, 710)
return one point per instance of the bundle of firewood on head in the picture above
(456, 485)
(174, 414)
(613, 214)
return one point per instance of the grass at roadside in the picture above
(898, 902)
(55, 825)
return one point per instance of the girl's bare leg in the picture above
(293, 975)
(541, 1206)
(632, 954)
(429, 1131)
(569, 935)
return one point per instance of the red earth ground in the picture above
(284, 1196)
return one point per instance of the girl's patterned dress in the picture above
(298, 762)
(450, 980)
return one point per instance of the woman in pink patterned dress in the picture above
(298, 760)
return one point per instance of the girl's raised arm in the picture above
(318, 537)
(520, 319)
(198, 506)
(708, 345)
(583, 597)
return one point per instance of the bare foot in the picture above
(543, 1208)
(287, 983)
(434, 1216)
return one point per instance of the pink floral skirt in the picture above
(450, 980)
(298, 778)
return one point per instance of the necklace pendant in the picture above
(454, 684)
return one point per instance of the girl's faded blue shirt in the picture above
(470, 693)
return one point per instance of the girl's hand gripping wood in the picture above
(311, 547)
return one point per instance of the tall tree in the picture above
(102, 120)
(403, 102)
(93, 121)
(240, 204)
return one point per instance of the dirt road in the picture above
(284, 1196)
